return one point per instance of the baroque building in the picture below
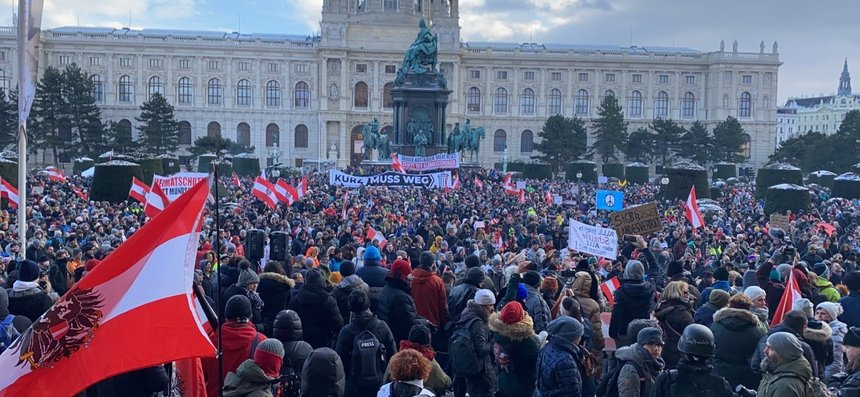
(297, 97)
(823, 113)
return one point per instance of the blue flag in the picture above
(610, 200)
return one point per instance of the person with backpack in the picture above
(341, 291)
(396, 306)
(694, 376)
(409, 369)
(11, 326)
(470, 348)
(256, 377)
(321, 320)
(786, 372)
(558, 368)
(365, 345)
(462, 293)
(637, 368)
(288, 330)
(239, 339)
(635, 299)
(515, 347)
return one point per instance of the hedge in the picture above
(786, 197)
(169, 164)
(587, 168)
(225, 168)
(246, 165)
(150, 167)
(725, 171)
(537, 171)
(204, 161)
(112, 180)
(846, 186)
(637, 173)
(613, 170)
(775, 174)
(516, 166)
(822, 178)
(9, 171)
(82, 164)
(682, 177)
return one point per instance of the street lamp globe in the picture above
(579, 175)
(276, 173)
(664, 181)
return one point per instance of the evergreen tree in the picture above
(83, 114)
(49, 112)
(32, 148)
(217, 145)
(794, 150)
(850, 124)
(8, 122)
(563, 140)
(640, 146)
(119, 137)
(159, 128)
(667, 138)
(729, 139)
(697, 143)
(610, 130)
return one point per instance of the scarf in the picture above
(21, 286)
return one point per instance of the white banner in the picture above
(593, 240)
(436, 180)
(178, 183)
(441, 161)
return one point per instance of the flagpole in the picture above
(22, 189)
(218, 284)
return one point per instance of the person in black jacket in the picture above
(247, 286)
(143, 382)
(26, 297)
(462, 293)
(475, 318)
(351, 282)
(362, 319)
(374, 275)
(396, 306)
(635, 299)
(275, 291)
(321, 320)
(288, 330)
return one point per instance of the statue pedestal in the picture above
(332, 155)
(422, 100)
(409, 150)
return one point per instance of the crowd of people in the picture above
(475, 292)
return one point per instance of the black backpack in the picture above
(713, 386)
(609, 384)
(461, 350)
(290, 384)
(367, 365)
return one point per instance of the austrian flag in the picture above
(156, 201)
(54, 174)
(138, 190)
(396, 165)
(608, 288)
(9, 192)
(374, 235)
(691, 210)
(265, 191)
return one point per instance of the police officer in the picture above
(694, 376)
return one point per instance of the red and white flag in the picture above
(138, 190)
(608, 288)
(456, 183)
(789, 296)
(374, 235)
(282, 192)
(343, 213)
(79, 192)
(396, 164)
(303, 187)
(549, 197)
(9, 191)
(522, 196)
(479, 184)
(146, 281)
(508, 184)
(500, 242)
(691, 210)
(54, 174)
(265, 191)
(156, 201)
(236, 180)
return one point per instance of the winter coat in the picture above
(537, 308)
(755, 362)
(674, 315)
(630, 382)
(343, 289)
(590, 311)
(722, 284)
(249, 380)
(635, 299)
(346, 340)
(851, 305)
(236, 341)
(786, 380)
(30, 303)
(234, 290)
(826, 288)
(460, 294)
(397, 308)
(431, 301)
(275, 291)
(322, 375)
(692, 377)
(516, 350)
(438, 381)
(705, 314)
(772, 289)
(558, 369)
(386, 389)
(485, 382)
(736, 336)
(140, 383)
(374, 275)
(850, 385)
(817, 334)
(838, 330)
(321, 320)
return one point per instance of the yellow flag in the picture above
(622, 183)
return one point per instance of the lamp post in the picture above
(664, 180)
(579, 176)
(505, 159)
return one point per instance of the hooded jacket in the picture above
(635, 299)
(321, 319)
(838, 330)
(537, 308)
(479, 332)
(558, 369)
(249, 380)
(397, 308)
(736, 336)
(581, 288)
(786, 380)
(516, 349)
(431, 301)
(826, 288)
(374, 275)
(275, 291)
(322, 375)
(674, 315)
(289, 332)
(817, 335)
(343, 289)
(236, 341)
(630, 382)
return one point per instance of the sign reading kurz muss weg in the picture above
(641, 219)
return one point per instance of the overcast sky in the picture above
(814, 36)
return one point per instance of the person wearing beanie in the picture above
(351, 282)
(238, 336)
(323, 374)
(635, 299)
(644, 356)
(465, 291)
(246, 285)
(819, 278)
(828, 313)
(848, 383)
(584, 290)
(362, 319)
(561, 355)
(851, 303)
(396, 306)
(254, 377)
(758, 297)
(373, 275)
(769, 279)
(535, 304)
(288, 330)
(26, 297)
(514, 335)
(549, 289)
(794, 322)
(721, 281)
(275, 290)
(474, 320)
(428, 292)
(737, 332)
(321, 319)
(717, 300)
(786, 373)
(18, 322)
(420, 340)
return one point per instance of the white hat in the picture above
(754, 292)
(832, 308)
(485, 297)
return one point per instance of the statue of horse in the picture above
(369, 141)
(473, 141)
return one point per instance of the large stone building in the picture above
(823, 113)
(296, 97)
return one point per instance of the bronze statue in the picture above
(420, 140)
(421, 56)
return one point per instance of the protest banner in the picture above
(436, 180)
(593, 240)
(641, 219)
(610, 200)
(174, 185)
(441, 161)
(779, 221)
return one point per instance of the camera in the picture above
(789, 251)
(569, 273)
(630, 238)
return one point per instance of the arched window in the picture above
(688, 106)
(243, 134)
(154, 87)
(634, 108)
(243, 93)
(302, 96)
(389, 5)
(554, 102)
(500, 141)
(301, 136)
(126, 89)
(608, 93)
(360, 95)
(185, 91)
(745, 105)
(125, 127)
(527, 101)
(98, 88)
(273, 135)
(184, 133)
(661, 105)
(387, 100)
(527, 142)
(214, 92)
(213, 129)
(273, 94)
(581, 102)
(473, 100)
(500, 101)
(746, 148)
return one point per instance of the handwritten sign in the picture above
(779, 221)
(593, 240)
(641, 219)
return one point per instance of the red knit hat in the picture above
(512, 313)
(400, 269)
(91, 264)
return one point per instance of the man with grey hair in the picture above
(787, 373)
(635, 299)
